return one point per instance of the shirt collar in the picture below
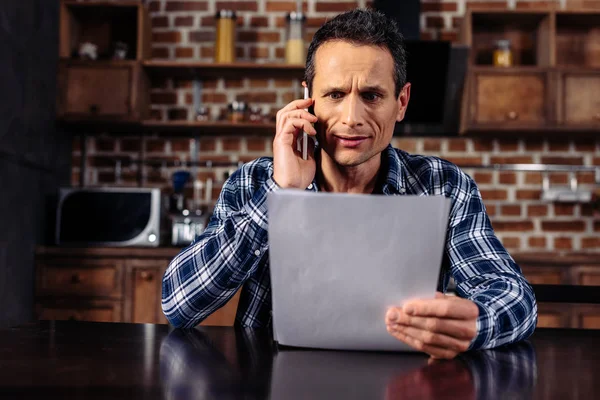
(395, 180)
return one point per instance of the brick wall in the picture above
(185, 30)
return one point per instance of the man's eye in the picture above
(370, 96)
(335, 95)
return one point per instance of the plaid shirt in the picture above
(233, 251)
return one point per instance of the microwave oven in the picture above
(112, 217)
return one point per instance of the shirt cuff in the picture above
(486, 323)
(257, 206)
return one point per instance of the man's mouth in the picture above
(351, 141)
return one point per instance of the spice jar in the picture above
(294, 45)
(255, 114)
(237, 111)
(225, 40)
(202, 114)
(503, 54)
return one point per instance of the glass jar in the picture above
(202, 114)
(237, 111)
(503, 54)
(255, 114)
(294, 44)
(225, 39)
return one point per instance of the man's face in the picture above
(355, 103)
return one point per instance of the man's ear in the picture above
(402, 101)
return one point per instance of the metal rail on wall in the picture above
(572, 193)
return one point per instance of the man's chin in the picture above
(349, 158)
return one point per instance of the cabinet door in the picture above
(586, 316)
(509, 100)
(145, 293)
(96, 91)
(579, 100)
(586, 275)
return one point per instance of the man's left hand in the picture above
(442, 327)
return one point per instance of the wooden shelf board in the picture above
(98, 63)
(509, 70)
(214, 70)
(211, 128)
(102, 3)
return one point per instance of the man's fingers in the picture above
(295, 105)
(442, 308)
(432, 350)
(434, 339)
(456, 328)
(295, 124)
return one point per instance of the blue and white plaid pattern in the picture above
(233, 251)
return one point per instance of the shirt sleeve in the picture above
(205, 275)
(487, 275)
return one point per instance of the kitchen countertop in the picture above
(530, 258)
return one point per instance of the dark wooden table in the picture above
(113, 361)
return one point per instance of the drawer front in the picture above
(553, 315)
(107, 312)
(98, 91)
(581, 99)
(586, 316)
(89, 279)
(511, 99)
(544, 276)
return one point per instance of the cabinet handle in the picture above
(94, 108)
(75, 279)
(512, 115)
(147, 276)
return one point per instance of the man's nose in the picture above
(352, 111)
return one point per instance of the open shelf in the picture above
(578, 39)
(529, 34)
(191, 70)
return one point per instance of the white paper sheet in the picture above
(338, 261)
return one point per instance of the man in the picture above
(356, 73)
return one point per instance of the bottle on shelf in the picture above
(294, 45)
(225, 38)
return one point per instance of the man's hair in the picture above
(361, 27)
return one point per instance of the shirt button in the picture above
(310, 186)
(402, 190)
(257, 253)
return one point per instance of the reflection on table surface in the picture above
(194, 366)
(87, 360)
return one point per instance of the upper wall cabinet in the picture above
(549, 82)
(102, 46)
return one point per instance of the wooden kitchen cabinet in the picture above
(578, 269)
(106, 88)
(508, 99)
(551, 86)
(108, 285)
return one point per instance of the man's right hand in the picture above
(289, 169)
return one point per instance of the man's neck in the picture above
(339, 179)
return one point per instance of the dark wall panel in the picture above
(34, 156)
